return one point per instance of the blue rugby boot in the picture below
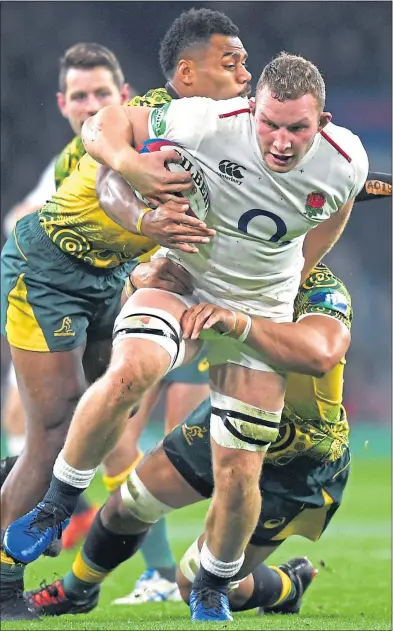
(29, 536)
(209, 605)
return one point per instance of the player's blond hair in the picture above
(89, 55)
(290, 77)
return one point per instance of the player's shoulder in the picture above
(223, 109)
(74, 147)
(157, 97)
(343, 151)
(324, 293)
(67, 159)
(344, 143)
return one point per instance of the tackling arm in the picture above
(108, 137)
(167, 225)
(109, 134)
(311, 346)
(117, 199)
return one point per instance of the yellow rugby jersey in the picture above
(73, 219)
(314, 422)
(68, 159)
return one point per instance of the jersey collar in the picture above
(171, 90)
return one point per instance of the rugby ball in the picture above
(198, 197)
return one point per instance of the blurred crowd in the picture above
(349, 41)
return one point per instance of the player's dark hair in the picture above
(89, 55)
(195, 26)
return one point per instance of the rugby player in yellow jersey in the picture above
(304, 475)
(90, 77)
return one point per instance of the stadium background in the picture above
(351, 44)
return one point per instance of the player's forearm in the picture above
(291, 347)
(117, 199)
(320, 240)
(377, 185)
(107, 137)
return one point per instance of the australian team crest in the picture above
(314, 204)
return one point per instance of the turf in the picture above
(351, 591)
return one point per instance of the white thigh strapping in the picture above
(148, 323)
(237, 425)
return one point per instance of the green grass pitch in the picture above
(351, 591)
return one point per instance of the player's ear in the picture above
(185, 71)
(125, 93)
(324, 119)
(61, 102)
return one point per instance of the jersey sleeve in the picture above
(189, 121)
(361, 167)
(68, 159)
(153, 98)
(324, 294)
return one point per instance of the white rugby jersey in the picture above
(261, 217)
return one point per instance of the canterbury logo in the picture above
(65, 329)
(232, 170)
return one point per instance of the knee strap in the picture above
(152, 324)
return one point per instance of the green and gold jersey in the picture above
(68, 159)
(73, 219)
(153, 98)
(314, 422)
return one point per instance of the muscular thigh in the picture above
(96, 358)
(50, 385)
(264, 390)
(181, 400)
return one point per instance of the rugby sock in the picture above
(102, 552)
(213, 573)
(157, 553)
(82, 505)
(271, 587)
(67, 485)
(63, 495)
(112, 482)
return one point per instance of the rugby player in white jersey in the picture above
(299, 172)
